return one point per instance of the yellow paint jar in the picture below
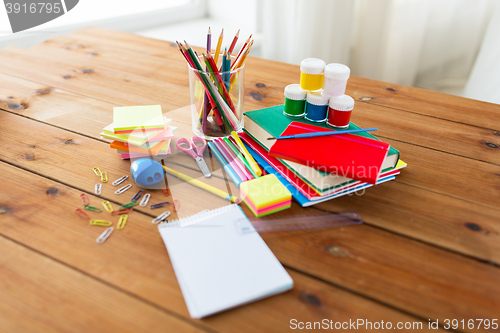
(311, 74)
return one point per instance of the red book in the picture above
(347, 155)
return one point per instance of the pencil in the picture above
(239, 155)
(202, 185)
(219, 44)
(209, 40)
(225, 164)
(249, 157)
(314, 134)
(233, 44)
(243, 48)
(240, 164)
(231, 161)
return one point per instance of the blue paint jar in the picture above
(316, 107)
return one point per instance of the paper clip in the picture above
(104, 177)
(92, 208)
(165, 191)
(98, 189)
(123, 189)
(81, 213)
(159, 205)
(97, 171)
(119, 181)
(137, 195)
(177, 205)
(84, 198)
(122, 211)
(121, 222)
(107, 206)
(102, 238)
(128, 205)
(161, 218)
(145, 200)
(101, 223)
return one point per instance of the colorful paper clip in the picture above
(81, 213)
(159, 205)
(122, 221)
(145, 200)
(128, 205)
(161, 218)
(101, 223)
(97, 171)
(84, 198)
(107, 206)
(122, 211)
(123, 189)
(98, 189)
(137, 195)
(102, 238)
(177, 205)
(104, 177)
(92, 208)
(119, 180)
(165, 191)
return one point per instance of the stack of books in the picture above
(139, 131)
(299, 167)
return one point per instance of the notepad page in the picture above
(216, 266)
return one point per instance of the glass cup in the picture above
(207, 119)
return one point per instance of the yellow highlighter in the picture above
(249, 157)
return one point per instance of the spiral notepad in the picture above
(217, 266)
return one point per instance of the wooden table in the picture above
(429, 248)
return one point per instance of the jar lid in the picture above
(295, 92)
(342, 103)
(312, 66)
(337, 71)
(317, 99)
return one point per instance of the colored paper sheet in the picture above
(127, 119)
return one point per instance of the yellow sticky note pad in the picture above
(127, 119)
(265, 195)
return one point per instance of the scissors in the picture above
(195, 152)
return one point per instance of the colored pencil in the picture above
(209, 40)
(248, 156)
(231, 161)
(235, 158)
(202, 185)
(219, 44)
(223, 89)
(315, 134)
(233, 44)
(243, 48)
(232, 174)
(234, 147)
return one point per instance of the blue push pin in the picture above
(146, 172)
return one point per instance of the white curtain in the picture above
(425, 43)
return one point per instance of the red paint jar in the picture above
(339, 111)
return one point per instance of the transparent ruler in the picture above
(297, 222)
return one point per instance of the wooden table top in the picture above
(429, 248)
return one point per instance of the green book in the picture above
(270, 122)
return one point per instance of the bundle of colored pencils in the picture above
(218, 82)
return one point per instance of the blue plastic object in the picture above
(146, 172)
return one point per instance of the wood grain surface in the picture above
(428, 250)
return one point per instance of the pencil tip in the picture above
(273, 138)
(238, 33)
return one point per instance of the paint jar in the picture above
(295, 101)
(339, 111)
(316, 107)
(311, 74)
(335, 80)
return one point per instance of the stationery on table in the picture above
(348, 155)
(139, 131)
(196, 152)
(270, 122)
(127, 119)
(217, 266)
(265, 195)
